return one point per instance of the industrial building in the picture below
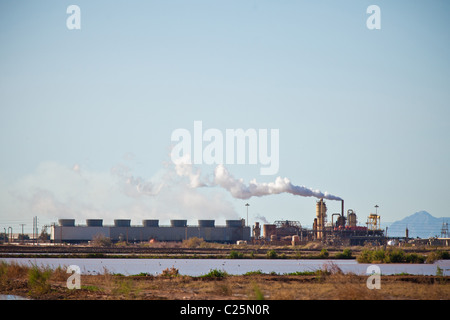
(341, 230)
(67, 232)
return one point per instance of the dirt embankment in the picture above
(177, 250)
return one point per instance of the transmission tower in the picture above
(444, 230)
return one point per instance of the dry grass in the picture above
(329, 284)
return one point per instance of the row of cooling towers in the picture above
(150, 223)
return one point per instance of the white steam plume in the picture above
(238, 189)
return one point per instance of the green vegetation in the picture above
(272, 254)
(38, 279)
(323, 254)
(301, 273)
(346, 254)
(252, 273)
(396, 255)
(257, 292)
(414, 258)
(236, 255)
(437, 255)
(215, 273)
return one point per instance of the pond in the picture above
(197, 267)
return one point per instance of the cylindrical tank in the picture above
(295, 240)
(178, 223)
(351, 216)
(66, 222)
(206, 223)
(269, 230)
(234, 223)
(122, 222)
(94, 222)
(150, 223)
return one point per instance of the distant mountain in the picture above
(420, 224)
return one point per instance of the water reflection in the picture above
(11, 297)
(197, 267)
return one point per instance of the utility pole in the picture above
(247, 205)
(35, 229)
(22, 224)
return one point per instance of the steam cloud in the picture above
(55, 190)
(239, 190)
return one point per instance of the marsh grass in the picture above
(327, 283)
(215, 273)
(170, 272)
(38, 279)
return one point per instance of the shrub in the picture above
(100, 240)
(365, 256)
(415, 258)
(236, 255)
(346, 254)
(378, 256)
(170, 272)
(394, 256)
(257, 292)
(437, 255)
(38, 279)
(193, 242)
(323, 253)
(272, 254)
(215, 273)
(252, 273)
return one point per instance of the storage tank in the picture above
(269, 230)
(122, 222)
(150, 223)
(206, 223)
(178, 223)
(94, 222)
(351, 216)
(234, 223)
(66, 222)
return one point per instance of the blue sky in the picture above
(362, 114)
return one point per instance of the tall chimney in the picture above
(342, 208)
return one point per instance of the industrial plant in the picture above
(341, 230)
(150, 230)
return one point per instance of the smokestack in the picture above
(342, 208)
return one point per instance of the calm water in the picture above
(196, 267)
